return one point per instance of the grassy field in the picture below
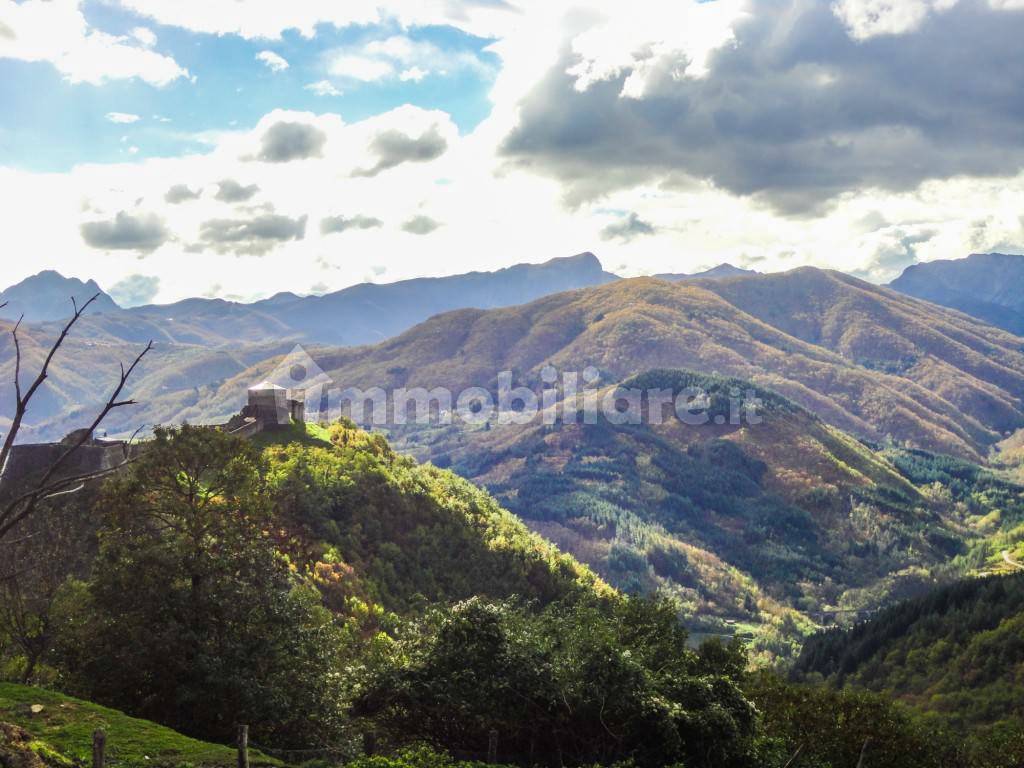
(63, 728)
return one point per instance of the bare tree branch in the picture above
(23, 400)
(19, 508)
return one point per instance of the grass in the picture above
(62, 733)
(303, 433)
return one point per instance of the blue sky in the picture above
(49, 124)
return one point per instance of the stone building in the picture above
(268, 407)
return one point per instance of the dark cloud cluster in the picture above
(284, 142)
(628, 228)
(795, 111)
(143, 232)
(180, 193)
(230, 191)
(393, 148)
(135, 290)
(420, 225)
(334, 224)
(249, 237)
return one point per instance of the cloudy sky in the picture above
(236, 148)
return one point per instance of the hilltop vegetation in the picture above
(411, 532)
(212, 553)
(283, 586)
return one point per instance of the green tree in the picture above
(831, 728)
(197, 621)
(582, 683)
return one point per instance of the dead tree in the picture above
(17, 505)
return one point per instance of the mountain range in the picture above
(984, 286)
(759, 526)
(867, 359)
(864, 358)
(360, 314)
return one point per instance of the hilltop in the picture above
(715, 273)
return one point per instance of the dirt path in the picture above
(1011, 562)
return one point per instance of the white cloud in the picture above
(675, 36)
(865, 19)
(492, 217)
(323, 88)
(399, 56)
(362, 68)
(413, 74)
(145, 36)
(275, 62)
(122, 117)
(56, 31)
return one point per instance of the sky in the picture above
(237, 148)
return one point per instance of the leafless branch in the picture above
(23, 400)
(18, 509)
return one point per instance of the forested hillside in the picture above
(297, 551)
(762, 530)
(316, 586)
(957, 653)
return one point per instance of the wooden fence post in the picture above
(243, 746)
(492, 747)
(99, 748)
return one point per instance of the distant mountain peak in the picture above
(47, 296)
(587, 258)
(715, 273)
